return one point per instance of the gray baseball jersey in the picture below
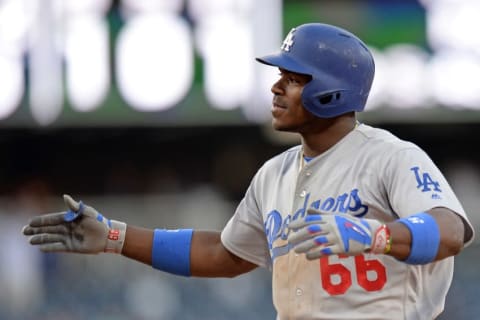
(368, 167)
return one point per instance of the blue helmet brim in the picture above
(284, 61)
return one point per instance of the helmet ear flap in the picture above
(329, 97)
(323, 104)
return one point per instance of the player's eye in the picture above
(293, 80)
(289, 78)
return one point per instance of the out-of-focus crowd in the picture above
(164, 189)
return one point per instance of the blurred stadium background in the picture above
(156, 113)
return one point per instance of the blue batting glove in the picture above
(319, 235)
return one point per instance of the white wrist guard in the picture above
(116, 237)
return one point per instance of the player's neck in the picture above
(316, 143)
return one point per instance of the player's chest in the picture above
(329, 189)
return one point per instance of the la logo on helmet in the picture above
(288, 42)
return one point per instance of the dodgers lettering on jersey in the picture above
(367, 168)
(277, 227)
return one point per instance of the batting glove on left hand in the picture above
(81, 229)
(319, 235)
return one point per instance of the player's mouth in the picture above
(277, 108)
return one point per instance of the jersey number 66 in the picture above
(328, 271)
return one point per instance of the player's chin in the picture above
(280, 121)
(281, 125)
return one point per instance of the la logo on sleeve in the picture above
(424, 181)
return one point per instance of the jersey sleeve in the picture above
(415, 184)
(244, 233)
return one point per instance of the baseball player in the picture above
(354, 223)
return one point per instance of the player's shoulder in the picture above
(381, 139)
(281, 162)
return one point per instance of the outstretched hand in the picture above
(319, 234)
(81, 229)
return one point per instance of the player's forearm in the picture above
(401, 240)
(208, 257)
(451, 231)
(138, 244)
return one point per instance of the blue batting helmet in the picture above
(340, 64)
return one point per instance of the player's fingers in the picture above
(26, 230)
(44, 238)
(320, 240)
(309, 245)
(313, 211)
(77, 209)
(319, 252)
(70, 203)
(305, 233)
(53, 247)
(59, 229)
(303, 247)
(297, 224)
(307, 220)
(297, 237)
(50, 219)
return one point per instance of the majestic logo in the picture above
(276, 227)
(288, 42)
(425, 182)
(416, 220)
